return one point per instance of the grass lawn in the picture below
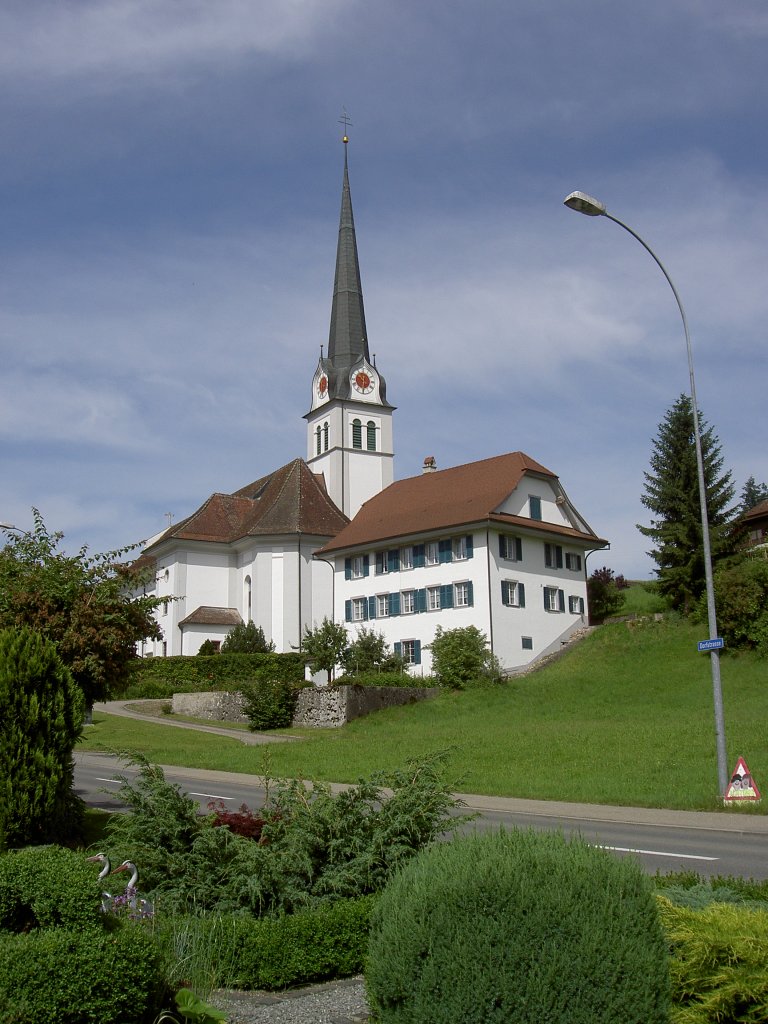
(625, 718)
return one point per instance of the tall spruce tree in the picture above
(672, 496)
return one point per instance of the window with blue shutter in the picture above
(561, 600)
(470, 592)
(371, 607)
(394, 604)
(366, 565)
(347, 568)
(381, 563)
(347, 611)
(518, 549)
(503, 546)
(521, 594)
(446, 596)
(553, 556)
(393, 559)
(469, 545)
(445, 551)
(421, 600)
(534, 506)
(418, 556)
(398, 649)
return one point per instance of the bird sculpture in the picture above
(137, 904)
(106, 868)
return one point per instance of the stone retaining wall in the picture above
(326, 707)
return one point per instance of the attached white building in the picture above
(495, 544)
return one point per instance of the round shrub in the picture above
(47, 886)
(63, 976)
(270, 704)
(518, 928)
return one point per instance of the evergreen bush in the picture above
(719, 964)
(80, 976)
(41, 718)
(520, 928)
(47, 886)
(269, 704)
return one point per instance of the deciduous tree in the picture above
(90, 606)
(672, 497)
(324, 646)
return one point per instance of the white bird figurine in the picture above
(106, 868)
(132, 898)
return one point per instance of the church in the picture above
(495, 544)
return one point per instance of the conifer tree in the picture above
(672, 496)
(41, 717)
(752, 494)
(246, 638)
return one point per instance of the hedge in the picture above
(159, 678)
(48, 886)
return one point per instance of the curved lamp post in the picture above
(583, 203)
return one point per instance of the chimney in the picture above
(430, 464)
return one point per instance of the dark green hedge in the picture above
(48, 886)
(384, 679)
(83, 976)
(158, 678)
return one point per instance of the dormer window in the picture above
(534, 506)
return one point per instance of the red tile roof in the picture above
(446, 499)
(290, 500)
(759, 511)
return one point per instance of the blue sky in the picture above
(169, 197)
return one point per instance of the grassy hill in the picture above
(626, 717)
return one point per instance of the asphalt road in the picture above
(727, 843)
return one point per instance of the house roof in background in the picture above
(208, 615)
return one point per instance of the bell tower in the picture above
(349, 423)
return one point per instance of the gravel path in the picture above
(336, 1002)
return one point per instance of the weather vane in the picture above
(344, 119)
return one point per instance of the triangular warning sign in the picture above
(742, 786)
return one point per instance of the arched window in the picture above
(325, 436)
(317, 440)
(248, 602)
(357, 434)
(371, 436)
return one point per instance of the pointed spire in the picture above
(348, 338)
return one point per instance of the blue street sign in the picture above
(711, 645)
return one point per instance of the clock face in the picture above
(362, 382)
(322, 386)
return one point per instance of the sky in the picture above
(169, 201)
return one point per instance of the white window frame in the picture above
(433, 599)
(513, 589)
(408, 651)
(382, 606)
(406, 558)
(573, 561)
(552, 603)
(459, 548)
(461, 594)
(357, 567)
(359, 605)
(407, 597)
(575, 604)
(431, 553)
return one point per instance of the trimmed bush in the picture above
(269, 704)
(520, 928)
(375, 678)
(719, 963)
(48, 886)
(41, 717)
(65, 976)
(157, 678)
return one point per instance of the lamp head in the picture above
(583, 203)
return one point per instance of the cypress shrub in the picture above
(83, 976)
(41, 718)
(48, 886)
(518, 928)
(719, 963)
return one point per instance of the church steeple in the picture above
(349, 424)
(348, 338)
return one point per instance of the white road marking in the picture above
(656, 853)
(212, 796)
(115, 782)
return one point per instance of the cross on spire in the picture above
(345, 120)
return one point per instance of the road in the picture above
(728, 843)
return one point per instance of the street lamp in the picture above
(591, 207)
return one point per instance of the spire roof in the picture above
(348, 338)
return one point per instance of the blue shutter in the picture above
(446, 596)
(559, 556)
(504, 592)
(348, 611)
(521, 594)
(366, 565)
(469, 545)
(417, 652)
(418, 556)
(398, 649)
(347, 568)
(545, 592)
(470, 592)
(518, 549)
(394, 604)
(379, 563)
(420, 602)
(445, 552)
(561, 600)
(502, 546)
(371, 607)
(365, 608)
(393, 559)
